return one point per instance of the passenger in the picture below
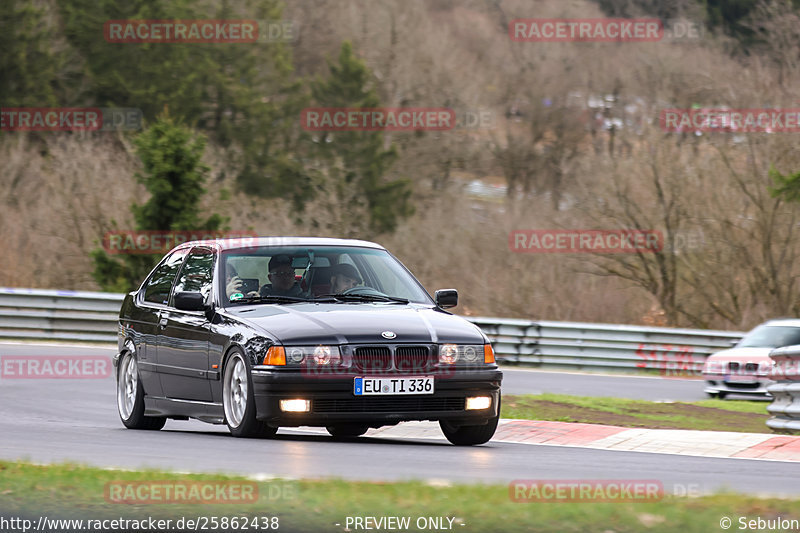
(281, 277)
(343, 278)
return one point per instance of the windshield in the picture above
(291, 274)
(771, 337)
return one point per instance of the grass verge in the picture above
(717, 415)
(75, 492)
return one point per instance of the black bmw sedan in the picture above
(276, 331)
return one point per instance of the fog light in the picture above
(295, 406)
(479, 402)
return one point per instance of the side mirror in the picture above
(734, 342)
(445, 298)
(190, 301)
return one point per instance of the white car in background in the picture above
(744, 369)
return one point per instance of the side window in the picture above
(197, 273)
(160, 282)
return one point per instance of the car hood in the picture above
(358, 323)
(742, 355)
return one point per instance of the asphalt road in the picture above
(76, 420)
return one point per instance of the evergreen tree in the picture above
(239, 94)
(28, 66)
(352, 165)
(174, 176)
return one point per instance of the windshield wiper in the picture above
(271, 298)
(364, 298)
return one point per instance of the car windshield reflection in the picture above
(771, 337)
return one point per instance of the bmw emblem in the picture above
(388, 334)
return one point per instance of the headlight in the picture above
(322, 355)
(448, 354)
(467, 354)
(295, 356)
(713, 367)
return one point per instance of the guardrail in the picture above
(59, 315)
(785, 406)
(92, 317)
(578, 345)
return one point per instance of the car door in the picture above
(183, 341)
(151, 300)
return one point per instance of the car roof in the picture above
(791, 322)
(257, 242)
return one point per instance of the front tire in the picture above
(130, 397)
(470, 435)
(238, 401)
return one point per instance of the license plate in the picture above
(368, 386)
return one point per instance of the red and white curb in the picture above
(726, 444)
(672, 441)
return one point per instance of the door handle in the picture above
(162, 323)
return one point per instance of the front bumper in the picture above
(716, 383)
(333, 401)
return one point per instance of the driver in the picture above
(281, 277)
(233, 283)
(343, 278)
